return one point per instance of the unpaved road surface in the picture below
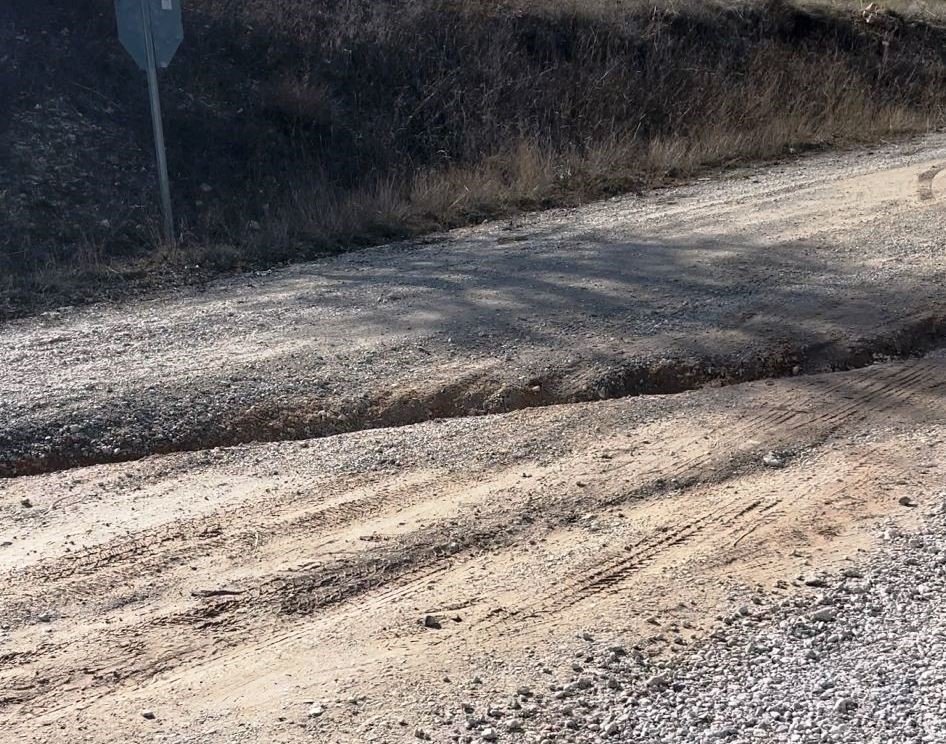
(279, 592)
(557, 571)
(815, 264)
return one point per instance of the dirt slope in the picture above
(226, 590)
(827, 262)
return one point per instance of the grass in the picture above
(323, 126)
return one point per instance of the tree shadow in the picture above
(600, 298)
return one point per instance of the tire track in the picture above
(924, 187)
(609, 573)
(894, 387)
(81, 574)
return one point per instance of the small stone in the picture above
(431, 622)
(148, 714)
(658, 681)
(528, 711)
(474, 722)
(906, 501)
(421, 734)
(26, 502)
(771, 460)
(489, 734)
(315, 711)
(45, 617)
(845, 705)
(825, 614)
(815, 581)
(850, 572)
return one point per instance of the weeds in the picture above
(325, 125)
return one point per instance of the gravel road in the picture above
(824, 261)
(744, 560)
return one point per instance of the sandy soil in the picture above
(226, 590)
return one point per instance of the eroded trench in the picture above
(31, 450)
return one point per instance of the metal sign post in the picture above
(151, 31)
(157, 123)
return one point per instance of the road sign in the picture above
(151, 31)
(167, 30)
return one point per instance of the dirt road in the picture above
(404, 583)
(817, 264)
(225, 591)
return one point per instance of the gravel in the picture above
(860, 659)
(823, 261)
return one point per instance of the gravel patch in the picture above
(860, 658)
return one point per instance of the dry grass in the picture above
(366, 120)
(469, 110)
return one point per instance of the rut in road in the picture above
(478, 395)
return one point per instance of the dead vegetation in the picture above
(298, 128)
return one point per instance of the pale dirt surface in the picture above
(229, 591)
(814, 264)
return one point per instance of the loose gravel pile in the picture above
(860, 657)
